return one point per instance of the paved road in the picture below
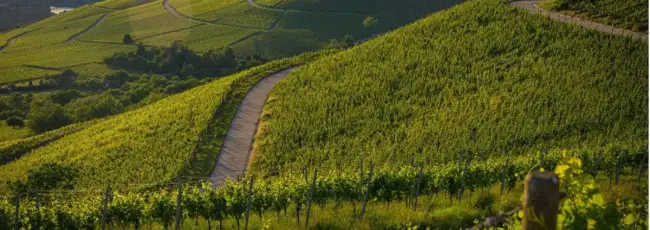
(531, 6)
(99, 21)
(236, 150)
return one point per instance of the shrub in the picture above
(15, 122)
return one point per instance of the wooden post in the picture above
(641, 168)
(503, 177)
(17, 214)
(596, 165)
(248, 203)
(178, 204)
(462, 183)
(365, 200)
(361, 169)
(619, 165)
(106, 198)
(305, 174)
(38, 211)
(417, 188)
(311, 197)
(413, 160)
(541, 201)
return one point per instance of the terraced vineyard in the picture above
(499, 80)
(248, 29)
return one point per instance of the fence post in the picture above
(311, 197)
(106, 197)
(365, 200)
(17, 215)
(503, 177)
(38, 210)
(641, 168)
(541, 201)
(596, 165)
(361, 169)
(417, 188)
(619, 165)
(248, 203)
(178, 204)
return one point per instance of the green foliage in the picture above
(127, 39)
(46, 115)
(51, 176)
(15, 122)
(370, 23)
(629, 14)
(522, 83)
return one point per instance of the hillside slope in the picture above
(478, 80)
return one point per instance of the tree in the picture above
(46, 115)
(348, 40)
(370, 23)
(127, 39)
(15, 122)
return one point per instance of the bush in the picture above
(46, 115)
(15, 122)
(127, 39)
(485, 201)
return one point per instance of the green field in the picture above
(522, 82)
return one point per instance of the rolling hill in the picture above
(480, 80)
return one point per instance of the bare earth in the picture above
(236, 150)
(531, 6)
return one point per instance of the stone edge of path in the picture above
(235, 153)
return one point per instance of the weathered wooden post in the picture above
(178, 204)
(596, 165)
(641, 168)
(365, 199)
(106, 198)
(503, 177)
(417, 188)
(17, 214)
(311, 197)
(541, 201)
(38, 211)
(248, 203)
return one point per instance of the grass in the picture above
(121, 4)
(525, 83)
(236, 13)
(628, 14)
(145, 146)
(8, 133)
(139, 21)
(202, 37)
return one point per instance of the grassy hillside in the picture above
(210, 25)
(480, 79)
(629, 14)
(142, 147)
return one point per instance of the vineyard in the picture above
(481, 79)
(240, 200)
(628, 14)
(157, 147)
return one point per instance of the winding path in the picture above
(81, 33)
(174, 12)
(263, 7)
(236, 150)
(531, 6)
(14, 38)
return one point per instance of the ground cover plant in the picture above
(629, 14)
(481, 79)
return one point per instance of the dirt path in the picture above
(263, 7)
(531, 6)
(99, 21)
(14, 38)
(236, 150)
(173, 11)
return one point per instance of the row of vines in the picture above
(70, 210)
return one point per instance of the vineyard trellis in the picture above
(233, 200)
